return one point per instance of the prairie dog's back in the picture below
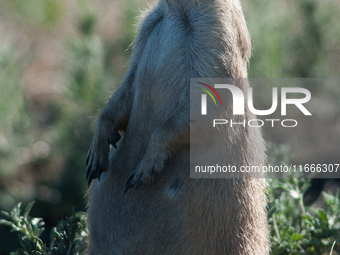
(178, 40)
(183, 40)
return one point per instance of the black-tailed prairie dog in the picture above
(163, 210)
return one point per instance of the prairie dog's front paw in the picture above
(146, 171)
(97, 160)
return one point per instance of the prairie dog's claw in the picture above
(137, 184)
(97, 160)
(127, 187)
(114, 139)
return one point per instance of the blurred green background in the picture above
(60, 61)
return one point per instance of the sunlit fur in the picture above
(177, 40)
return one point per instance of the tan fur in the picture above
(178, 40)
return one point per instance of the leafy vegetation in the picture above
(299, 229)
(295, 229)
(69, 237)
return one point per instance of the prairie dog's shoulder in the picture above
(222, 19)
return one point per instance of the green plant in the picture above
(296, 228)
(299, 40)
(69, 237)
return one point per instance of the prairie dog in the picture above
(163, 211)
